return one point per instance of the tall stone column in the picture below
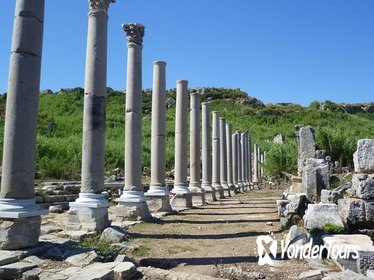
(181, 195)
(216, 155)
(223, 157)
(259, 163)
(197, 192)
(240, 162)
(235, 151)
(230, 180)
(209, 191)
(132, 203)
(262, 165)
(255, 165)
(158, 193)
(243, 160)
(249, 152)
(19, 215)
(90, 211)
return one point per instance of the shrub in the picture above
(332, 228)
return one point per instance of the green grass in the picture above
(102, 248)
(59, 138)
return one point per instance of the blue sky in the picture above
(276, 50)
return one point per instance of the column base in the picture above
(219, 191)
(235, 188)
(88, 213)
(19, 233)
(181, 201)
(20, 208)
(158, 203)
(241, 187)
(226, 190)
(198, 198)
(209, 193)
(132, 206)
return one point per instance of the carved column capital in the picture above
(102, 5)
(134, 33)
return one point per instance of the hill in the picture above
(60, 128)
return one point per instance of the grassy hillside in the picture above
(60, 129)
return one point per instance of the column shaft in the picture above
(230, 180)
(216, 154)
(234, 138)
(240, 163)
(195, 142)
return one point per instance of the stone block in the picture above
(124, 271)
(87, 219)
(113, 235)
(55, 209)
(363, 158)
(82, 259)
(363, 186)
(7, 257)
(19, 233)
(95, 271)
(15, 270)
(317, 215)
(157, 203)
(297, 205)
(311, 275)
(181, 201)
(281, 206)
(365, 261)
(357, 213)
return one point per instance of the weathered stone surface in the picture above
(297, 205)
(365, 261)
(281, 206)
(95, 271)
(55, 209)
(357, 213)
(363, 158)
(311, 275)
(125, 271)
(152, 273)
(363, 186)
(19, 233)
(296, 236)
(317, 215)
(7, 257)
(316, 177)
(32, 274)
(370, 274)
(15, 270)
(307, 145)
(113, 235)
(289, 220)
(82, 259)
(34, 260)
(330, 196)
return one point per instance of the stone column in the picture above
(243, 159)
(255, 166)
(195, 186)
(240, 163)
(249, 152)
(209, 191)
(132, 203)
(234, 138)
(158, 193)
(19, 215)
(230, 180)
(181, 195)
(216, 155)
(223, 157)
(262, 165)
(90, 211)
(258, 163)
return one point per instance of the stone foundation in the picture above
(87, 219)
(181, 201)
(132, 211)
(157, 203)
(19, 233)
(198, 198)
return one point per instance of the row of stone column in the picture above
(226, 157)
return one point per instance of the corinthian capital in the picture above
(100, 4)
(134, 33)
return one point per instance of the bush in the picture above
(332, 228)
(281, 158)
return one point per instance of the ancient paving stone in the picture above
(124, 271)
(7, 257)
(95, 271)
(15, 270)
(82, 259)
(357, 212)
(311, 275)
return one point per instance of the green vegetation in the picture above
(332, 228)
(101, 247)
(59, 140)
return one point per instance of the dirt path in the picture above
(222, 233)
